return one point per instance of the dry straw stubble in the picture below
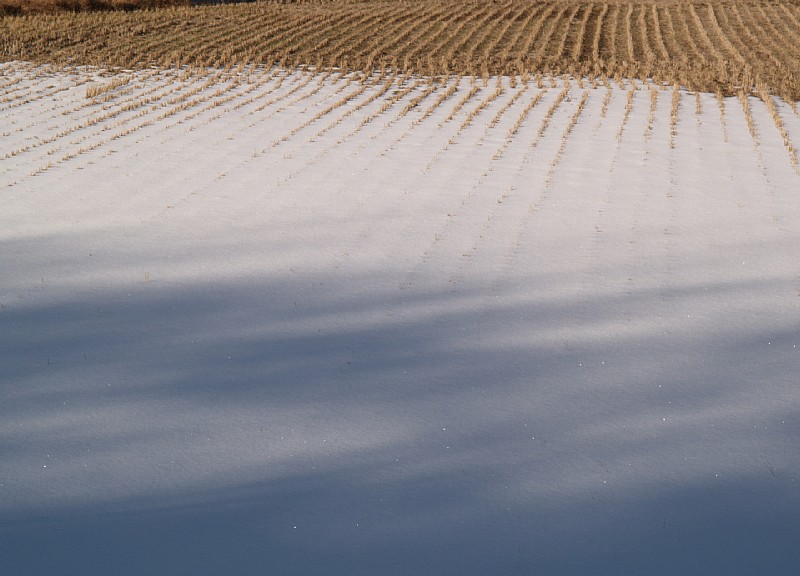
(725, 46)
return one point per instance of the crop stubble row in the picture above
(539, 116)
(717, 45)
(139, 102)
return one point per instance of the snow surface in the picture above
(233, 341)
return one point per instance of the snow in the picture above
(236, 341)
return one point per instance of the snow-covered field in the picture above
(278, 322)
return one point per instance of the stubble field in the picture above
(309, 312)
(717, 45)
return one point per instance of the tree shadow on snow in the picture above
(283, 426)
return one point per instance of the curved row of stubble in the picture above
(714, 46)
(89, 115)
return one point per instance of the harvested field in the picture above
(298, 322)
(392, 288)
(717, 45)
